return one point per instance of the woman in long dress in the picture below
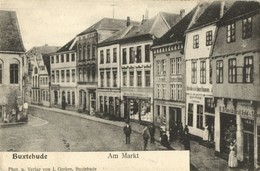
(206, 133)
(232, 159)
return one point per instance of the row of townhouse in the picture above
(207, 75)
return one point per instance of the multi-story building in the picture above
(169, 74)
(236, 82)
(11, 64)
(137, 66)
(63, 76)
(109, 73)
(39, 73)
(87, 60)
(199, 40)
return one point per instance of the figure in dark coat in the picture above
(146, 136)
(186, 141)
(152, 132)
(127, 131)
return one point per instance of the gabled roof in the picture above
(210, 15)
(176, 33)
(107, 24)
(239, 9)
(43, 49)
(10, 37)
(71, 45)
(148, 25)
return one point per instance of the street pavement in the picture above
(56, 130)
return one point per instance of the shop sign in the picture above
(242, 112)
(135, 94)
(55, 87)
(195, 98)
(199, 89)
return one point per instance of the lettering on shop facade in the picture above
(200, 89)
(242, 112)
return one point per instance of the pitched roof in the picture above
(211, 14)
(147, 27)
(176, 33)
(67, 46)
(10, 37)
(239, 9)
(46, 61)
(107, 24)
(43, 49)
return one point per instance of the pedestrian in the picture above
(181, 132)
(186, 130)
(186, 141)
(206, 134)
(175, 131)
(152, 133)
(127, 131)
(232, 159)
(164, 140)
(146, 136)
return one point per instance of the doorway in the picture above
(55, 97)
(174, 115)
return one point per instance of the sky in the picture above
(55, 22)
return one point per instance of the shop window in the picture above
(147, 53)
(209, 105)
(196, 41)
(231, 33)
(209, 38)
(247, 28)
(248, 69)
(200, 116)
(190, 114)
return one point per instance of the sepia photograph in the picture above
(132, 85)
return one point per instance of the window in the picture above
(173, 92)
(219, 68)
(158, 91)
(1, 73)
(53, 76)
(102, 79)
(194, 72)
(196, 41)
(68, 97)
(247, 28)
(202, 72)
(158, 64)
(67, 57)
(200, 116)
(52, 59)
(62, 58)
(62, 75)
(88, 73)
(57, 59)
(147, 53)
(164, 66)
(93, 52)
(139, 78)
(209, 105)
(209, 38)
(67, 75)
(132, 55)
(210, 72)
(114, 78)
(147, 79)
(158, 111)
(190, 114)
(93, 73)
(14, 75)
(88, 51)
(108, 78)
(73, 98)
(57, 76)
(72, 57)
(84, 51)
(231, 34)
(108, 55)
(178, 66)
(173, 65)
(79, 52)
(179, 92)
(101, 57)
(232, 71)
(139, 54)
(114, 55)
(131, 78)
(124, 78)
(163, 91)
(248, 69)
(124, 56)
(73, 75)
(80, 74)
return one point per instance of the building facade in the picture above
(235, 63)
(137, 66)
(87, 62)
(63, 77)
(169, 75)
(11, 65)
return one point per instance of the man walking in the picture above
(146, 136)
(152, 132)
(127, 132)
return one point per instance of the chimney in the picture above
(128, 21)
(182, 13)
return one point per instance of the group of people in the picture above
(148, 133)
